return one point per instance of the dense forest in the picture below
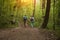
(45, 12)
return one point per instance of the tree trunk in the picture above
(58, 16)
(43, 4)
(34, 7)
(46, 18)
(43, 7)
(54, 15)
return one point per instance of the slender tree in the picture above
(58, 16)
(43, 6)
(46, 17)
(34, 7)
(54, 14)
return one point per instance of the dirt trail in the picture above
(21, 33)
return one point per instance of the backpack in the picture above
(32, 19)
(25, 18)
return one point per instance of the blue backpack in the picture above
(25, 18)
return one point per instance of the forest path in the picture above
(21, 33)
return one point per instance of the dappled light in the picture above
(23, 2)
(26, 2)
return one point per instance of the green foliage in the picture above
(11, 15)
(5, 14)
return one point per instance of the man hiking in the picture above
(25, 20)
(32, 21)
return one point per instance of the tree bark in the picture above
(43, 4)
(34, 7)
(43, 7)
(54, 15)
(46, 18)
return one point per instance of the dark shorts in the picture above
(24, 21)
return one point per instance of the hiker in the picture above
(25, 20)
(32, 21)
